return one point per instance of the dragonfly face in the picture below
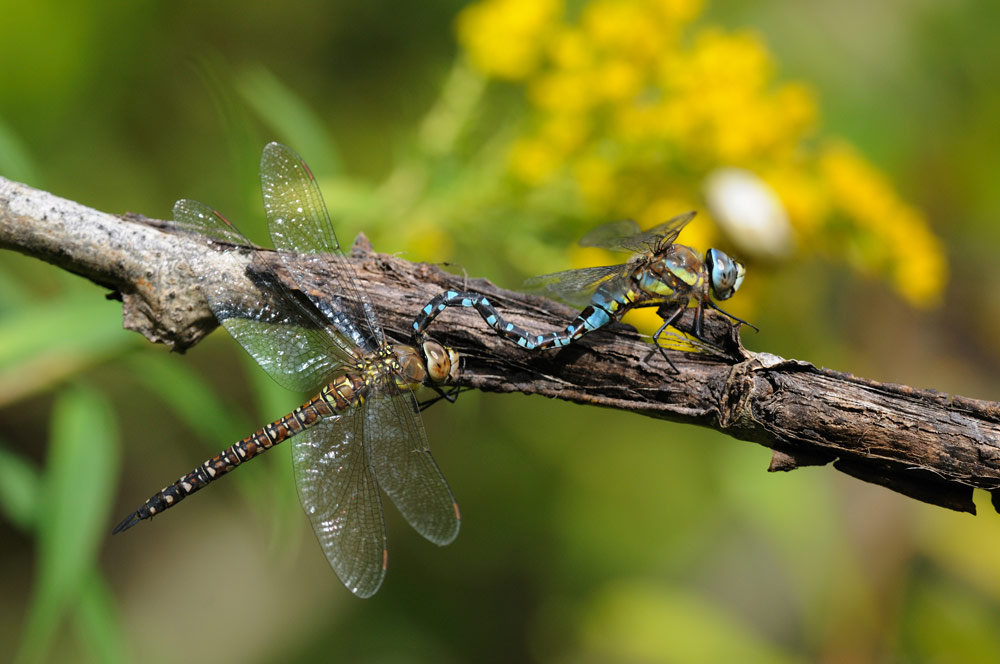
(432, 364)
(441, 362)
(725, 274)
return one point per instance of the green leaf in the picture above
(15, 161)
(19, 489)
(190, 397)
(76, 497)
(36, 352)
(646, 623)
(95, 615)
(947, 619)
(288, 116)
(97, 622)
(286, 516)
(12, 291)
(216, 423)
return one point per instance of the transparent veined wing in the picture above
(294, 344)
(612, 235)
(688, 343)
(299, 224)
(405, 469)
(626, 235)
(339, 493)
(575, 287)
(663, 234)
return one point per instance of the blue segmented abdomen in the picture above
(590, 319)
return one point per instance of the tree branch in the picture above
(922, 443)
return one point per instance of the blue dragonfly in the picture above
(660, 273)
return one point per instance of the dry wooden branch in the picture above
(922, 443)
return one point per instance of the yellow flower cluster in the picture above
(893, 237)
(503, 37)
(633, 105)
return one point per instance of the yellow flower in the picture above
(569, 49)
(563, 91)
(637, 122)
(533, 160)
(795, 107)
(697, 234)
(801, 195)
(617, 81)
(427, 241)
(911, 254)
(594, 176)
(636, 107)
(564, 132)
(921, 272)
(504, 38)
(622, 27)
(725, 61)
(677, 12)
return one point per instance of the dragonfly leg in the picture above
(726, 313)
(668, 320)
(699, 320)
(450, 395)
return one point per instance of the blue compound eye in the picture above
(725, 274)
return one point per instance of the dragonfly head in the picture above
(441, 361)
(725, 274)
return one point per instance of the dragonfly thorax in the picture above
(676, 270)
(344, 390)
(375, 367)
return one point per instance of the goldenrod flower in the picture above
(503, 38)
(633, 105)
(903, 244)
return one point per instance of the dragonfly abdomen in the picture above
(340, 394)
(591, 318)
(661, 274)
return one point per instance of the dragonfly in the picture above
(660, 273)
(362, 431)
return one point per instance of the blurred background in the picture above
(846, 151)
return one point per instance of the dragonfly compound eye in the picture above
(442, 362)
(725, 273)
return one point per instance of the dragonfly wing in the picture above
(688, 343)
(299, 224)
(291, 341)
(661, 234)
(575, 286)
(626, 235)
(339, 493)
(611, 235)
(405, 469)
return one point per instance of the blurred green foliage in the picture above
(587, 535)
